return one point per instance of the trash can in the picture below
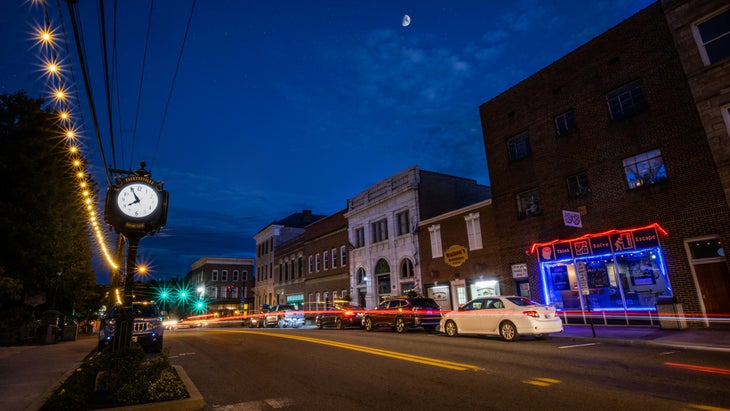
(671, 314)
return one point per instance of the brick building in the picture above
(460, 256)
(225, 285)
(604, 184)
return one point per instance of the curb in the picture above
(194, 403)
(645, 343)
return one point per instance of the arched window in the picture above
(361, 275)
(406, 269)
(382, 267)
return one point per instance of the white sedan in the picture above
(507, 316)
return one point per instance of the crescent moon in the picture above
(406, 20)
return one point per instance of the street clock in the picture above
(136, 204)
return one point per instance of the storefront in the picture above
(614, 277)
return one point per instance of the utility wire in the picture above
(141, 80)
(172, 87)
(106, 80)
(87, 86)
(115, 80)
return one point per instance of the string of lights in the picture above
(62, 103)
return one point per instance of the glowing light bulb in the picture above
(73, 149)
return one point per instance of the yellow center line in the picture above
(375, 351)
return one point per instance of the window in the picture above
(326, 260)
(519, 146)
(235, 275)
(473, 231)
(564, 123)
(316, 262)
(334, 257)
(361, 275)
(360, 237)
(645, 169)
(343, 256)
(213, 292)
(310, 264)
(626, 100)
(528, 203)
(300, 266)
(406, 269)
(224, 275)
(436, 248)
(713, 37)
(244, 276)
(578, 184)
(214, 276)
(403, 223)
(379, 230)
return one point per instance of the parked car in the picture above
(147, 329)
(340, 317)
(284, 315)
(254, 319)
(506, 316)
(402, 313)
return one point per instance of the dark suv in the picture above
(402, 313)
(147, 329)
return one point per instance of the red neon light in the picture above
(586, 236)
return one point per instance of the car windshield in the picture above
(425, 303)
(521, 301)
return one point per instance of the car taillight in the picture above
(349, 313)
(531, 314)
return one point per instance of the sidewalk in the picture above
(707, 339)
(28, 374)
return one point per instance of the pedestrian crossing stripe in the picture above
(542, 382)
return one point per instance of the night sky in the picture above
(275, 106)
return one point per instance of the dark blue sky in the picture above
(279, 106)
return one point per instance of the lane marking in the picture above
(578, 345)
(542, 381)
(375, 351)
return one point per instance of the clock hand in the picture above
(136, 199)
(133, 202)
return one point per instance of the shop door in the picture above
(714, 281)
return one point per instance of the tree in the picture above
(42, 219)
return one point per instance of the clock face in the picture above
(138, 200)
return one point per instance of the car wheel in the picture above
(508, 331)
(319, 324)
(157, 348)
(400, 325)
(281, 324)
(451, 329)
(539, 336)
(368, 324)
(338, 324)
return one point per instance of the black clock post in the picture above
(136, 206)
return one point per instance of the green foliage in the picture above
(110, 379)
(42, 218)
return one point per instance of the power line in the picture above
(141, 80)
(172, 87)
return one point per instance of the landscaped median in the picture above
(126, 380)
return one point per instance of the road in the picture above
(309, 369)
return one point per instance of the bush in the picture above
(109, 379)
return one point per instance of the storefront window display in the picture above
(620, 270)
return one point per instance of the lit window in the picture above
(713, 37)
(626, 100)
(645, 169)
(528, 203)
(578, 184)
(519, 146)
(564, 123)
(436, 247)
(403, 223)
(473, 231)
